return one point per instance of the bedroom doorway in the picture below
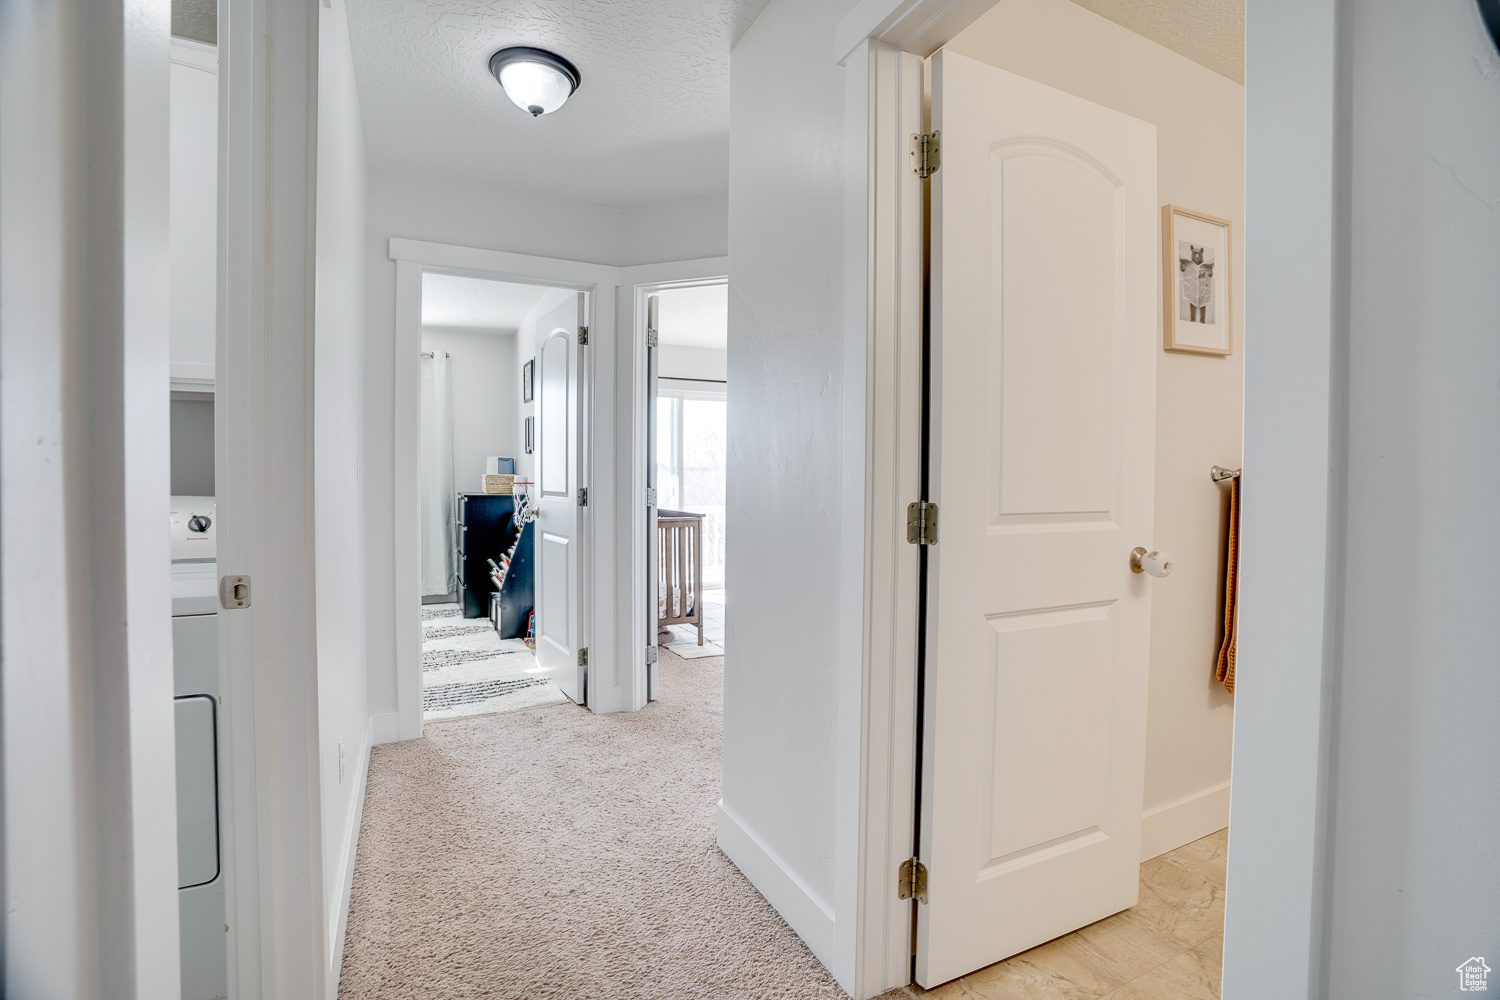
(687, 412)
(499, 400)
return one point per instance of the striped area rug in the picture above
(467, 669)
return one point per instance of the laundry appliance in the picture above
(195, 669)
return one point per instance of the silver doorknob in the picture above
(1151, 563)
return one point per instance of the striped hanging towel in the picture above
(1224, 669)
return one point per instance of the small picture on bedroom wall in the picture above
(526, 371)
(1196, 306)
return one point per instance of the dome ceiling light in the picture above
(537, 81)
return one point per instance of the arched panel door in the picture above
(1042, 444)
(559, 473)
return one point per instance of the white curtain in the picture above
(439, 527)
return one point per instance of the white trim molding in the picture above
(798, 905)
(883, 315)
(920, 27)
(1191, 818)
(338, 920)
(635, 604)
(271, 803)
(615, 548)
(1296, 175)
(87, 761)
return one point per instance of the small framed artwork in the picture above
(1197, 287)
(529, 440)
(526, 372)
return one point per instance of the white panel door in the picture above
(653, 563)
(559, 468)
(1042, 436)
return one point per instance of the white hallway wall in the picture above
(491, 218)
(1199, 408)
(1366, 797)
(345, 730)
(789, 650)
(1414, 873)
(89, 798)
(486, 397)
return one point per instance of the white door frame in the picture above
(613, 377)
(640, 283)
(1281, 728)
(414, 258)
(271, 803)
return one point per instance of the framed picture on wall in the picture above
(529, 442)
(1197, 285)
(526, 371)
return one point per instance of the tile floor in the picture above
(686, 642)
(1166, 947)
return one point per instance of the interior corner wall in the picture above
(340, 489)
(1413, 874)
(486, 397)
(678, 230)
(786, 354)
(1200, 120)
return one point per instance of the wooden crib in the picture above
(679, 577)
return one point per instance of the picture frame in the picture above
(1197, 282)
(530, 440)
(526, 380)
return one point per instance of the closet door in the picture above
(1043, 326)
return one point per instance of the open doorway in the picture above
(688, 402)
(481, 410)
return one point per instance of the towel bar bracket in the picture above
(1219, 474)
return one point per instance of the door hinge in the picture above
(922, 523)
(583, 497)
(650, 337)
(650, 654)
(650, 496)
(911, 880)
(583, 336)
(583, 657)
(925, 154)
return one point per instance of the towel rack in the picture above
(1218, 473)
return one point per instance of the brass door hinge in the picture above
(925, 154)
(922, 523)
(911, 880)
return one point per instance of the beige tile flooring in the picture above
(1166, 947)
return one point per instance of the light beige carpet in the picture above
(553, 853)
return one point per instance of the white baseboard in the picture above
(1168, 827)
(339, 919)
(804, 912)
(385, 728)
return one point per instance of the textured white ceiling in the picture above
(476, 303)
(1209, 32)
(649, 123)
(694, 317)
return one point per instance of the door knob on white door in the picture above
(1151, 563)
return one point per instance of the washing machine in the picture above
(195, 669)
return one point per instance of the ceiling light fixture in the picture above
(536, 81)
